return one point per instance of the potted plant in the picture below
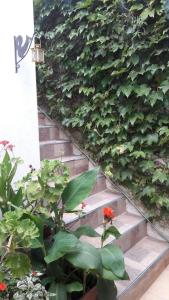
(34, 236)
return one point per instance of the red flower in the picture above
(4, 143)
(3, 286)
(10, 147)
(108, 213)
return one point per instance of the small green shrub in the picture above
(35, 240)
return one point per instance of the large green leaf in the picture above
(106, 290)
(58, 291)
(108, 275)
(112, 230)
(85, 230)
(78, 189)
(112, 259)
(18, 263)
(74, 287)
(64, 243)
(88, 258)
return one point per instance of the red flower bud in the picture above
(108, 213)
(3, 286)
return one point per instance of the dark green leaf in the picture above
(111, 231)
(57, 291)
(74, 287)
(64, 243)
(88, 258)
(85, 230)
(112, 259)
(78, 189)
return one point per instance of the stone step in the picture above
(50, 132)
(93, 211)
(44, 120)
(144, 262)
(132, 228)
(159, 290)
(76, 163)
(146, 255)
(55, 148)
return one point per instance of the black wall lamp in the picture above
(22, 49)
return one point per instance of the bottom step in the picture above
(159, 290)
(144, 262)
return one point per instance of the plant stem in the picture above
(84, 282)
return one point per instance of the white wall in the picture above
(18, 101)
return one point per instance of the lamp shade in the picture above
(37, 54)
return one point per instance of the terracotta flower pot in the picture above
(91, 295)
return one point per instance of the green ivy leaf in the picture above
(159, 176)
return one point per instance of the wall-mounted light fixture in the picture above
(37, 54)
(22, 49)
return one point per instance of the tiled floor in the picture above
(159, 289)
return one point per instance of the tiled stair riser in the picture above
(50, 150)
(77, 166)
(95, 217)
(47, 133)
(140, 286)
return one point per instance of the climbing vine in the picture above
(107, 73)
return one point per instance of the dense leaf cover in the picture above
(107, 72)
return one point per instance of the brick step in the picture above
(55, 148)
(144, 262)
(94, 209)
(44, 120)
(50, 132)
(76, 163)
(132, 228)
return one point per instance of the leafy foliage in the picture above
(33, 237)
(106, 72)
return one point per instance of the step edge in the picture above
(53, 142)
(120, 197)
(141, 275)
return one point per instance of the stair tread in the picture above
(93, 202)
(71, 157)
(140, 257)
(159, 290)
(50, 142)
(123, 222)
(48, 126)
(99, 175)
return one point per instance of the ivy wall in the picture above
(107, 73)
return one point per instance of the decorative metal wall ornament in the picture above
(22, 49)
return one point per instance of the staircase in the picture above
(146, 253)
